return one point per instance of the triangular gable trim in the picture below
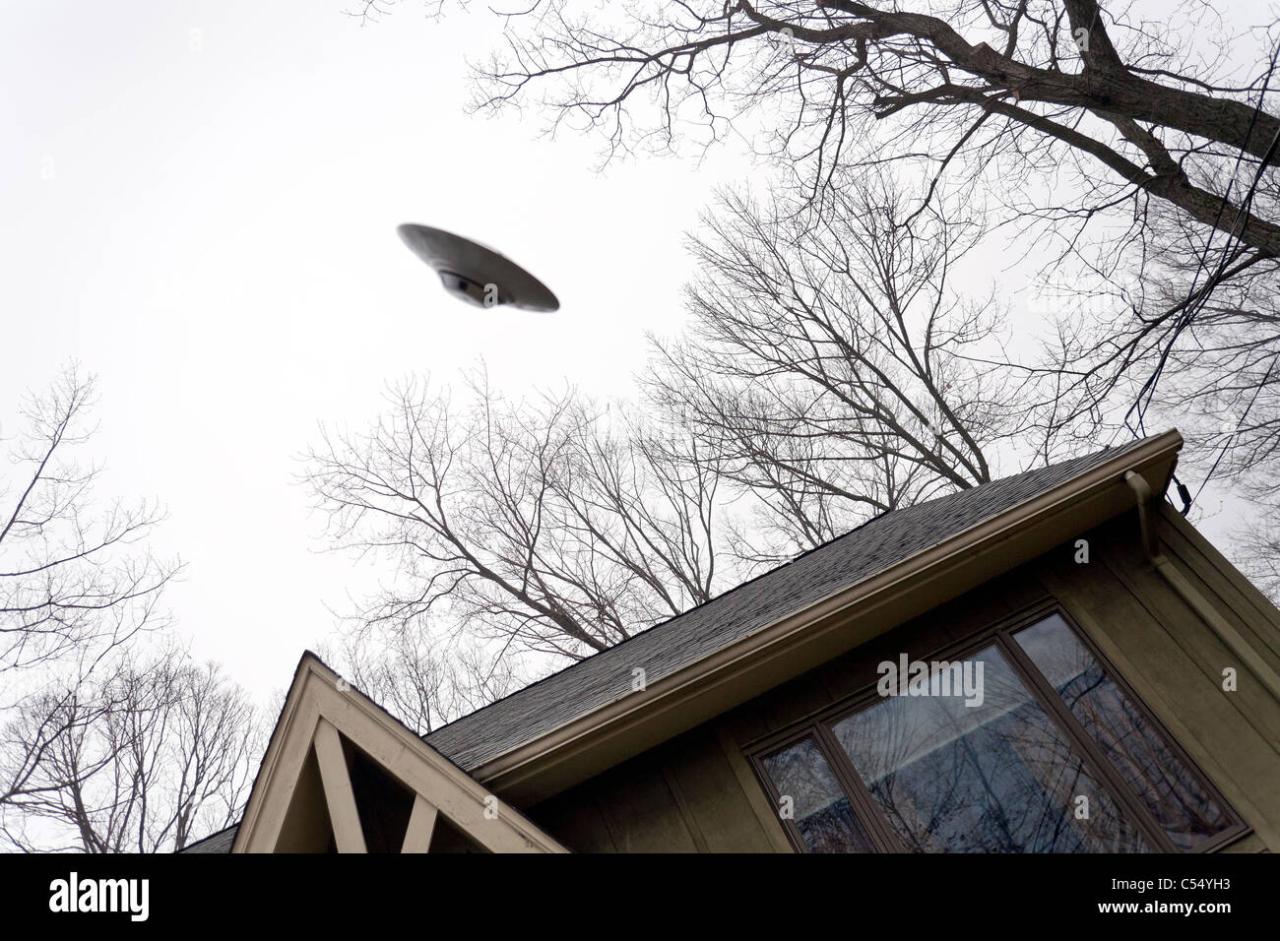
(320, 710)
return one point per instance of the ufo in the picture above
(475, 273)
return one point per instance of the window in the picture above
(1045, 752)
(818, 805)
(1178, 799)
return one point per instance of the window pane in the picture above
(821, 809)
(994, 777)
(1176, 796)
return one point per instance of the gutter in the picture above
(1211, 616)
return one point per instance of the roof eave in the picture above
(833, 625)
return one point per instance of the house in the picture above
(1053, 662)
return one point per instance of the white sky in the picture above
(217, 243)
(198, 202)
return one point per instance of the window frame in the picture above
(818, 726)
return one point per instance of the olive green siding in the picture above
(698, 793)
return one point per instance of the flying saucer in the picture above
(474, 273)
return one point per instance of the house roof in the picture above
(219, 842)
(322, 714)
(874, 548)
(871, 548)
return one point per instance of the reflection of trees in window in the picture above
(1175, 795)
(1005, 776)
(999, 777)
(821, 810)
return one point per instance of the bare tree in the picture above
(76, 581)
(1261, 543)
(72, 576)
(829, 375)
(832, 373)
(1259, 535)
(146, 757)
(1121, 87)
(1190, 338)
(552, 526)
(1134, 143)
(102, 747)
(424, 681)
(830, 362)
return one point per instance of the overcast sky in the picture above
(199, 203)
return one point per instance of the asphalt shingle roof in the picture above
(876, 545)
(219, 842)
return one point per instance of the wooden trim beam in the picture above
(320, 710)
(475, 810)
(343, 815)
(422, 824)
(287, 752)
(764, 811)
